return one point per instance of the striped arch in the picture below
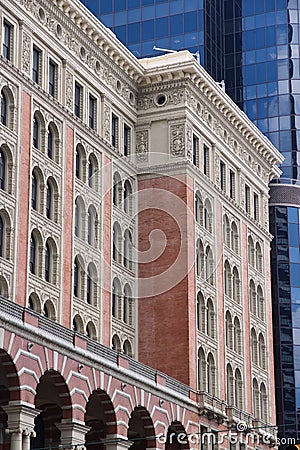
(9, 379)
(141, 429)
(176, 437)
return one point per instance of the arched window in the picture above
(92, 226)
(5, 231)
(50, 143)
(78, 324)
(263, 403)
(127, 350)
(234, 238)
(235, 285)
(226, 231)
(33, 255)
(36, 132)
(238, 389)
(80, 162)
(250, 251)
(34, 191)
(2, 170)
(93, 172)
(227, 279)
(91, 291)
(210, 318)
(261, 351)
(116, 299)
(34, 302)
(4, 109)
(260, 303)
(199, 258)
(209, 266)
(228, 330)
(201, 370)
(198, 208)
(79, 217)
(91, 331)
(211, 374)
(48, 263)
(208, 216)
(127, 305)
(117, 240)
(258, 258)
(117, 189)
(237, 335)
(4, 289)
(127, 257)
(253, 342)
(78, 287)
(49, 310)
(255, 391)
(252, 297)
(200, 312)
(230, 385)
(127, 197)
(116, 344)
(49, 201)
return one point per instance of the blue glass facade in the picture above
(195, 25)
(254, 46)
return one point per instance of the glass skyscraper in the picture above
(253, 45)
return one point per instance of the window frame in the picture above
(52, 80)
(92, 111)
(78, 99)
(36, 65)
(8, 52)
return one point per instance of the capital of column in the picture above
(72, 434)
(20, 418)
(115, 442)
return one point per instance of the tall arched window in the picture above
(256, 402)
(209, 265)
(235, 285)
(253, 342)
(48, 262)
(4, 109)
(5, 230)
(34, 191)
(199, 258)
(260, 303)
(50, 143)
(91, 292)
(127, 305)
(201, 370)
(91, 331)
(2, 170)
(93, 169)
(127, 197)
(78, 279)
(210, 313)
(234, 238)
(226, 231)
(211, 374)
(116, 344)
(230, 385)
(198, 208)
(33, 255)
(238, 389)
(80, 162)
(252, 297)
(263, 402)
(208, 216)
(78, 324)
(258, 257)
(250, 251)
(127, 350)
(227, 279)
(36, 132)
(79, 217)
(49, 201)
(228, 330)
(127, 257)
(92, 226)
(261, 351)
(200, 312)
(117, 240)
(116, 299)
(117, 189)
(237, 334)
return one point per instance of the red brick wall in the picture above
(167, 319)
(68, 227)
(23, 201)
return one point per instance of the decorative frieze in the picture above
(106, 122)
(26, 54)
(69, 90)
(142, 145)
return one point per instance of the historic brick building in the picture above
(134, 244)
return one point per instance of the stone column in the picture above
(113, 442)
(72, 434)
(20, 424)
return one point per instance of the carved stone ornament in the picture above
(69, 90)
(142, 145)
(217, 169)
(26, 54)
(106, 122)
(189, 142)
(177, 140)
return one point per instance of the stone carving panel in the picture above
(26, 54)
(69, 90)
(177, 140)
(142, 145)
(106, 122)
